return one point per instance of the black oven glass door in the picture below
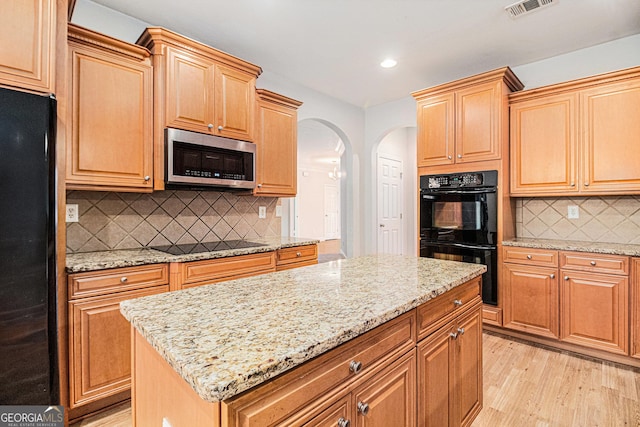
(458, 216)
(465, 253)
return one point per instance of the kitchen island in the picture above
(305, 345)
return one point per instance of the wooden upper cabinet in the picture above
(27, 51)
(611, 131)
(544, 145)
(635, 307)
(198, 88)
(277, 145)
(111, 124)
(464, 121)
(578, 137)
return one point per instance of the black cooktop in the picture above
(195, 248)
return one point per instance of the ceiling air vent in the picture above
(526, 6)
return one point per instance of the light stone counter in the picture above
(225, 338)
(90, 261)
(568, 245)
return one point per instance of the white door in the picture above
(389, 206)
(331, 212)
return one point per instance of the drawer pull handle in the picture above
(553, 276)
(355, 366)
(528, 256)
(457, 302)
(210, 125)
(344, 423)
(566, 277)
(593, 263)
(453, 335)
(460, 331)
(363, 408)
(298, 254)
(123, 279)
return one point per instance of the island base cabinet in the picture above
(450, 373)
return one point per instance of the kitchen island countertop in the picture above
(225, 338)
(100, 260)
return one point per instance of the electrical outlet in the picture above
(72, 213)
(278, 211)
(573, 212)
(262, 212)
(165, 422)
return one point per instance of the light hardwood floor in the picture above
(527, 385)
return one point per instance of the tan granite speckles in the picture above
(89, 261)
(226, 338)
(568, 245)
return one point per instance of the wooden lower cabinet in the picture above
(299, 256)
(635, 307)
(100, 346)
(450, 372)
(531, 299)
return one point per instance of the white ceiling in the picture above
(335, 46)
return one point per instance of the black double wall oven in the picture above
(458, 221)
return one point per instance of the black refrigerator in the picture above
(28, 351)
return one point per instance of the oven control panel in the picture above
(470, 179)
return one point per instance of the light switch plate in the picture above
(278, 211)
(573, 212)
(72, 213)
(262, 212)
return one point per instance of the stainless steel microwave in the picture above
(198, 160)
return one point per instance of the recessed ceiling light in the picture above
(388, 63)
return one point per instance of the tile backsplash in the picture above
(133, 220)
(601, 219)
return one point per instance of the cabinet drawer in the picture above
(301, 254)
(611, 264)
(100, 282)
(542, 257)
(220, 269)
(433, 314)
(327, 374)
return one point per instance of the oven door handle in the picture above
(477, 247)
(424, 243)
(467, 191)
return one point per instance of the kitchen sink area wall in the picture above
(600, 219)
(109, 220)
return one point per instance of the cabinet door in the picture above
(544, 146)
(234, 103)
(635, 307)
(468, 369)
(388, 398)
(100, 346)
(531, 299)
(435, 378)
(277, 150)
(111, 140)
(338, 414)
(611, 128)
(478, 123)
(27, 51)
(436, 129)
(594, 310)
(189, 93)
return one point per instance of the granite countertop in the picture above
(569, 245)
(228, 337)
(90, 261)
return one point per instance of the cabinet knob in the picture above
(457, 302)
(147, 178)
(259, 186)
(528, 256)
(566, 277)
(210, 125)
(459, 156)
(553, 276)
(344, 423)
(123, 279)
(355, 366)
(573, 184)
(586, 184)
(298, 254)
(453, 335)
(593, 263)
(449, 157)
(220, 127)
(461, 331)
(363, 408)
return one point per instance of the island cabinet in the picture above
(198, 88)
(277, 145)
(28, 34)
(100, 337)
(578, 137)
(110, 120)
(464, 121)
